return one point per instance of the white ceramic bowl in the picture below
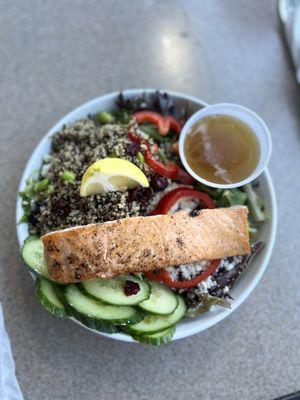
(245, 115)
(248, 281)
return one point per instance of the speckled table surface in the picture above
(57, 55)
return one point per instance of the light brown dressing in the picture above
(222, 149)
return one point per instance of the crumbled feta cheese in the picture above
(47, 158)
(205, 285)
(186, 203)
(226, 290)
(230, 263)
(45, 169)
(187, 271)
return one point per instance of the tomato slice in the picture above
(164, 276)
(154, 118)
(168, 201)
(168, 171)
(164, 124)
(184, 177)
(175, 148)
(174, 124)
(137, 139)
(171, 171)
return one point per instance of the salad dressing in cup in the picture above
(225, 145)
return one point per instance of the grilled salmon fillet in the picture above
(140, 244)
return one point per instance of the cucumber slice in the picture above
(162, 301)
(111, 291)
(33, 256)
(30, 237)
(48, 298)
(158, 323)
(158, 338)
(97, 315)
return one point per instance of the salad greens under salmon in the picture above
(144, 132)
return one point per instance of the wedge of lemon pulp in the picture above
(111, 174)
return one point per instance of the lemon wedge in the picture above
(110, 175)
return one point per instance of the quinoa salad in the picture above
(74, 148)
(52, 200)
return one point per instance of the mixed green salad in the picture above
(147, 306)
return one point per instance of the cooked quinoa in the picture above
(74, 149)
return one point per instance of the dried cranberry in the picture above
(148, 193)
(158, 183)
(132, 149)
(142, 195)
(131, 288)
(32, 218)
(61, 207)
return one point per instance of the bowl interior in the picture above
(267, 233)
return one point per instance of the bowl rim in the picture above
(214, 318)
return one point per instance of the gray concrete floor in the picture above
(55, 55)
